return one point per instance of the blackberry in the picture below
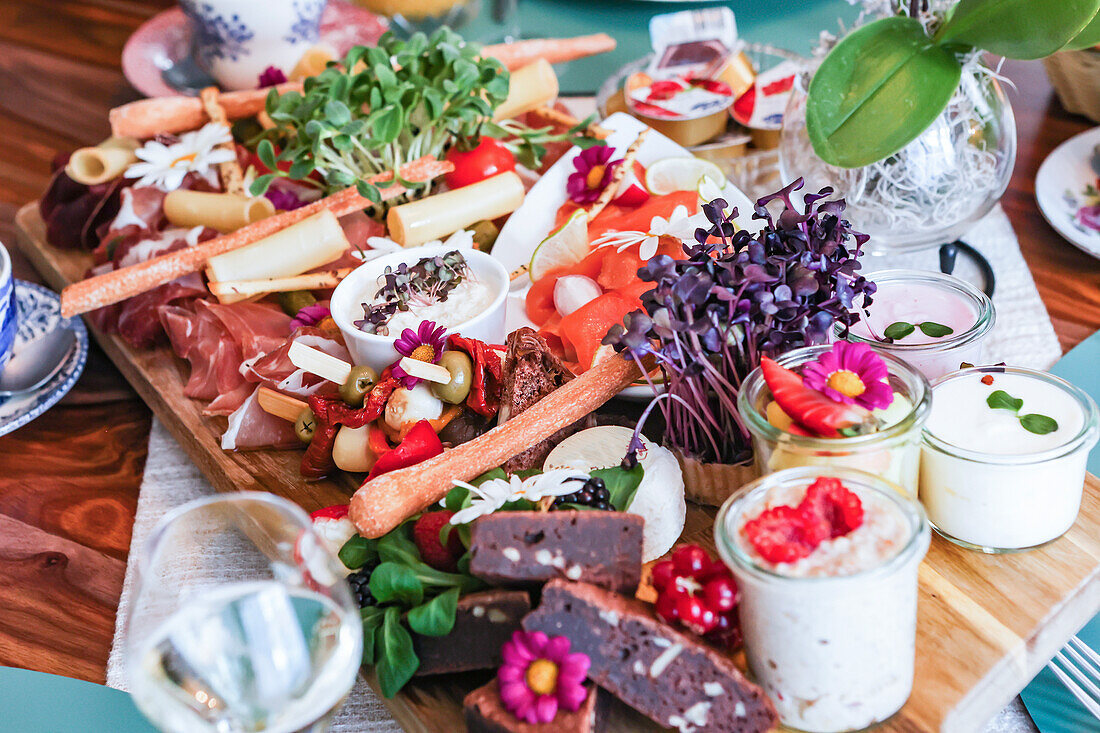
(592, 493)
(360, 584)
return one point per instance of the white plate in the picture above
(1060, 184)
(533, 220)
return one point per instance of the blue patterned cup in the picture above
(9, 315)
(236, 40)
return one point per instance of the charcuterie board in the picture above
(986, 624)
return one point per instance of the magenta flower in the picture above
(852, 374)
(311, 315)
(271, 76)
(426, 343)
(284, 199)
(593, 174)
(539, 675)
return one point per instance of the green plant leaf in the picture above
(437, 616)
(392, 582)
(397, 660)
(878, 89)
(898, 330)
(372, 619)
(1001, 400)
(1087, 38)
(261, 184)
(621, 484)
(936, 330)
(1018, 29)
(396, 546)
(1038, 424)
(357, 551)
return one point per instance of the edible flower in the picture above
(679, 224)
(271, 76)
(493, 494)
(283, 199)
(850, 373)
(165, 166)
(595, 170)
(424, 344)
(539, 675)
(310, 315)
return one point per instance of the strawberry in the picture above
(828, 502)
(809, 408)
(426, 532)
(780, 534)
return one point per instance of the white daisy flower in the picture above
(495, 493)
(679, 224)
(165, 166)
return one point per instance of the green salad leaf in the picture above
(437, 616)
(397, 660)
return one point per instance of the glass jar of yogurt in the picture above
(831, 637)
(987, 481)
(917, 298)
(892, 452)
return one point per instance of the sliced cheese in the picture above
(425, 370)
(318, 362)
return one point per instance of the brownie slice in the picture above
(483, 622)
(530, 372)
(529, 548)
(485, 713)
(674, 679)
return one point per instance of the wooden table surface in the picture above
(69, 481)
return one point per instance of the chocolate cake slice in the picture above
(674, 679)
(485, 713)
(530, 372)
(528, 548)
(483, 622)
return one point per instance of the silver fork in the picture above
(1077, 667)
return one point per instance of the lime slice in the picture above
(566, 246)
(679, 174)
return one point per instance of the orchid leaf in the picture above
(1017, 29)
(1087, 38)
(878, 89)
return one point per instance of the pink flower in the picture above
(311, 315)
(539, 675)
(850, 373)
(426, 343)
(593, 174)
(284, 199)
(271, 76)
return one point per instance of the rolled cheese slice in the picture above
(103, 162)
(438, 216)
(303, 246)
(225, 212)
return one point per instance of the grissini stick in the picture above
(126, 282)
(383, 503)
(555, 50)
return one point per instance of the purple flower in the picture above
(852, 374)
(1089, 216)
(426, 343)
(272, 75)
(284, 199)
(539, 675)
(311, 315)
(593, 174)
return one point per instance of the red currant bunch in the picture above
(699, 593)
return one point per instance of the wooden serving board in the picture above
(987, 624)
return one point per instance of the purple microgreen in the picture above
(431, 279)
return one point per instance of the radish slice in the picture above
(573, 291)
(631, 191)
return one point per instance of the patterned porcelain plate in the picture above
(1067, 189)
(40, 313)
(164, 42)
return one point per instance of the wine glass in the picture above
(241, 620)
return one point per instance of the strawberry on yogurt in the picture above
(818, 554)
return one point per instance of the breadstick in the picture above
(148, 117)
(383, 503)
(555, 50)
(118, 285)
(232, 177)
(625, 166)
(557, 118)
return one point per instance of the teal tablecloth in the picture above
(791, 24)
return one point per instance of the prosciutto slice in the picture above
(250, 428)
(276, 371)
(215, 358)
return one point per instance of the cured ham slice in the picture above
(276, 371)
(358, 228)
(137, 320)
(215, 358)
(250, 428)
(257, 327)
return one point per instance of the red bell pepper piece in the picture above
(420, 444)
(377, 441)
(484, 397)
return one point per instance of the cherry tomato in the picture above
(489, 158)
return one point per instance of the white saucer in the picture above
(1060, 186)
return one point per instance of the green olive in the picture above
(462, 376)
(358, 385)
(305, 425)
(295, 300)
(485, 235)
